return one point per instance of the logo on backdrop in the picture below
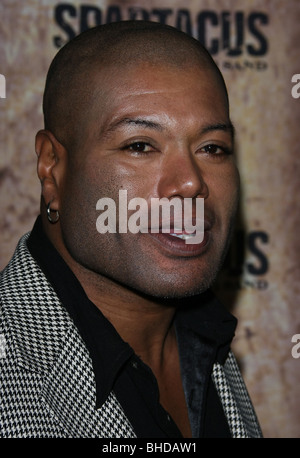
(236, 39)
(247, 263)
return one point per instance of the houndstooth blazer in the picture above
(47, 384)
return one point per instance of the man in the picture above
(117, 334)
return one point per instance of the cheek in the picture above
(81, 191)
(85, 187)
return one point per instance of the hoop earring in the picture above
(49, 210)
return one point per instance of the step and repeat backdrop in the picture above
(256, 44)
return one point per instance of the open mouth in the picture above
(184, 237)
(182, 244)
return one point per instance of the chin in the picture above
(182, 293)
(176, 289)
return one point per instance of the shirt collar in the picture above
(206, 316)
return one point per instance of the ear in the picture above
(51, 167)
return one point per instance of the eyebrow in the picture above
(132, 121)
(226, 127)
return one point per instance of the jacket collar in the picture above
(36, 317)
(47, 343)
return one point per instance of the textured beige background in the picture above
(268, 138)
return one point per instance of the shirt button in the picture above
(134, 364)
(168, 417)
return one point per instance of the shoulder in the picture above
(32, 315)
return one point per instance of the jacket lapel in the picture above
(47, 342)
(69, 389)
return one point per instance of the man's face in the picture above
(148, 133)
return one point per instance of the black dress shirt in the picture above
(204, 332)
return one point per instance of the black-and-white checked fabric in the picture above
(234, 397)
(47, 384)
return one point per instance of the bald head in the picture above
(70, 85)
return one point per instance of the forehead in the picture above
(151, 90)
(150, 76)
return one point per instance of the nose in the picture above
(181, 176)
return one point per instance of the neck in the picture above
(145, 323)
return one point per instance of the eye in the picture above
(214, 149)
(138, 148)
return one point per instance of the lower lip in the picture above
(178, 247)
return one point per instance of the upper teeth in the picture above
(183, 236)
